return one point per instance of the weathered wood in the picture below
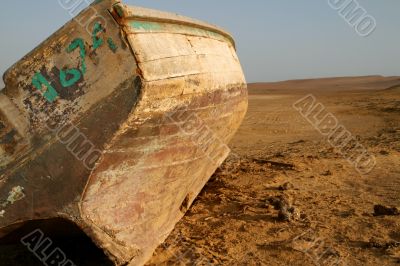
(119, 136)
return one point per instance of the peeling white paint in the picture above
(45, 177)
(16, 194)
(2, 212)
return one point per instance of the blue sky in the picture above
(276, 39)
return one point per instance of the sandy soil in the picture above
(287, 197)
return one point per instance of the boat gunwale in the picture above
(153, 15)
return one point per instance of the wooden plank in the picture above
(167, 19)
(150, 47)
(167, 68)
(186, 85)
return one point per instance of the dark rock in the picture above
(284, 215)
(380, 210)
(286, 186)
(383, 152)
(327, 173)
(286, 211)
(279, 202)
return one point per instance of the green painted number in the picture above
(76, 76)
(39, 81)
(97, 42)
(113, 47)
(79, 43)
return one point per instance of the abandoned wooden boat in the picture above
(116, 122)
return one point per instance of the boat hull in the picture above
(124, 151)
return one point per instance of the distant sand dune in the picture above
(328, 84)
(394, 88)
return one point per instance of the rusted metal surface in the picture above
(118, 128)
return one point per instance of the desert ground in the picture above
(281, 162)
(286, 196)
